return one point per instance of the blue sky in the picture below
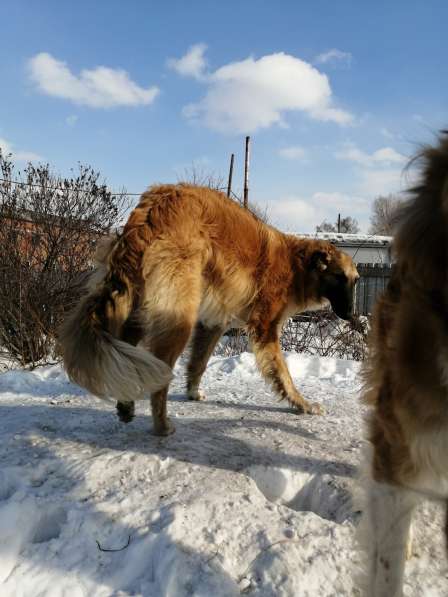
(335, 95)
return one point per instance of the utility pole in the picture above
(339, 222)
(229, 184)
(246, 174)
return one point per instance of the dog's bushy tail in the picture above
(91, 340)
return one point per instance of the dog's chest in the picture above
(429, 452)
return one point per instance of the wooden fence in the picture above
(371, 285)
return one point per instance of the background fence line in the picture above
(373, 281)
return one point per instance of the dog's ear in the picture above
(320, 260)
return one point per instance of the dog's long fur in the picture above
(407, 379)
(191, 259)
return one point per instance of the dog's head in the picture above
(337, 276)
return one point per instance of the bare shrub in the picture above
(323, 334)
(234, 342)
(318, 333)
(48, 230)
(200, 176)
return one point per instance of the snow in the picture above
(247, 497)
(342, 238)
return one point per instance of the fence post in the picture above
(229, 184)
(246, 174)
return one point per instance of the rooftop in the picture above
(353, 240)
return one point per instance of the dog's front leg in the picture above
(272, 365)
(384, 535)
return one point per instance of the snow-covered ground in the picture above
(247, 496)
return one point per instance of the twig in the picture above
(213, 556)
(119, 549)
(264, 550)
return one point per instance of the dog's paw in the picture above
(125, 411)
(197, 396)
(309, 408)
(314, 408)
(164, 430)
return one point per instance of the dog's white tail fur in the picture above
(94, 354)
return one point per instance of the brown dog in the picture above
(407, 379)
(190, 259)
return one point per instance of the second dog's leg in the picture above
(202, 346)
(385, 534)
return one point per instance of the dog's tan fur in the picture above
(191, 259)
(407, 378)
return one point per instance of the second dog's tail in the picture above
(94, 353)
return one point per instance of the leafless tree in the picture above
(49, 227)
(385, 211)
(347, 225)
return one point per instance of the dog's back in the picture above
(406, 379)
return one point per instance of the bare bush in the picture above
(200, 176)
(48, 230)
(234, 342)
(323, 334)
(318, 333)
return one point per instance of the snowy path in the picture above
(247, 496)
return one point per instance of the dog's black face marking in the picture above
(338, 289)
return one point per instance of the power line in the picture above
(119, 194)
(33, 184)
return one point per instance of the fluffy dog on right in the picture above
(406, 379)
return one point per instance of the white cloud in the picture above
(71, 120)
(387, 133)
(381, 157)
(249, 95)
(338, 202)
(379, 173)
(18, 155)
(298, 214)
(334, 56)
(192, 64)
(292, 153)
(100, 87)
(382, 181)
(293, 214)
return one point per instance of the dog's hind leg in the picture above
(132, 333)
(384, 535)
(167, 347)
(125, 411)
(203, 343)
(173, 293)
